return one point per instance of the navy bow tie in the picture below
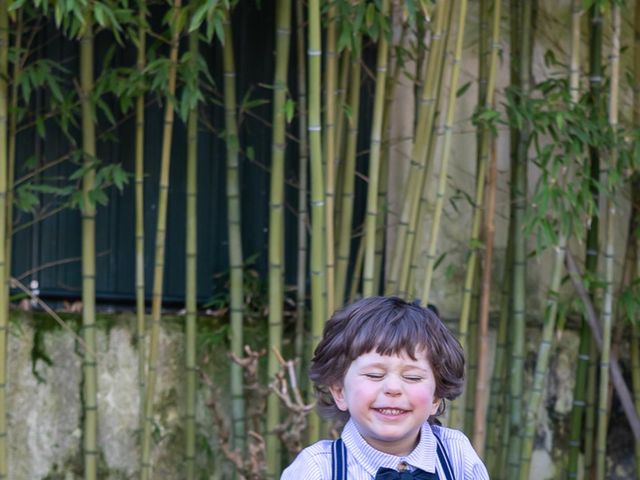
(391, 474)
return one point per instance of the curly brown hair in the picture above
(388, 326)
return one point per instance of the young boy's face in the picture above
(388, 397)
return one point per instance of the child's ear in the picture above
(435, 406)
(337, 392)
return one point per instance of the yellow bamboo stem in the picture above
(448, 134)
(161, 228)
(374, 161)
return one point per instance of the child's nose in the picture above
(391, 386)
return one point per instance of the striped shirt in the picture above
(363, 461)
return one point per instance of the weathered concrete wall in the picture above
(45, 423)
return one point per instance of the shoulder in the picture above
(464, 459)
(312, 463)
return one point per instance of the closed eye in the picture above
(412, 378)
(374, 376)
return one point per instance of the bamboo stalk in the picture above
(591, 261)
(609, 256)
(425, 203)
(318, 248)
(276, 226)
(397, 278)
(141, 331)
(357, 269)
(303, 213)
(542, 363)
(340, 132)
(90, 394)
(498, 415)
(585, 337)
(486, 144)
(442, 180)
(12, 140)
(330, 77)
(191, 274)
(4, 261)
(158, 271)
(235, 237)
(374, 160)
(519, 195)
(383, 187)
(348, 179)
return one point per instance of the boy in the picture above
(385, 366)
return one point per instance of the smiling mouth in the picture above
(390, 411)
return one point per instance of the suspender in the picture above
(339, 460)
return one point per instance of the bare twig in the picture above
(292, 429)
(253, 465)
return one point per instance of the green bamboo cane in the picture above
(4, 261)
(587, 374)
(383, 186)
(446, 152)
(357, 269)
(191, 274)
(542, 363)
(609, 256)
(13, 128)
(397, 278)
(590, 408)
(497, 415)
(330, 77)
(318, 248)
(591, 262)
(235, 236)
(341, 133)
(139, 199)
(374, 160)
(303, 213)
(467, 399)
(276, 226)
(348, 183)
(480, 417)
(518, 195)
(161, 228)
(88, 255)
(577, 410)
(585, 336)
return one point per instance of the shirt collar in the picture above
(423, 456)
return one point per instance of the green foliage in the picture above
(629, 301)
(562, 134)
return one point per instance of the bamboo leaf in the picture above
(461, 91)
(289, 109)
